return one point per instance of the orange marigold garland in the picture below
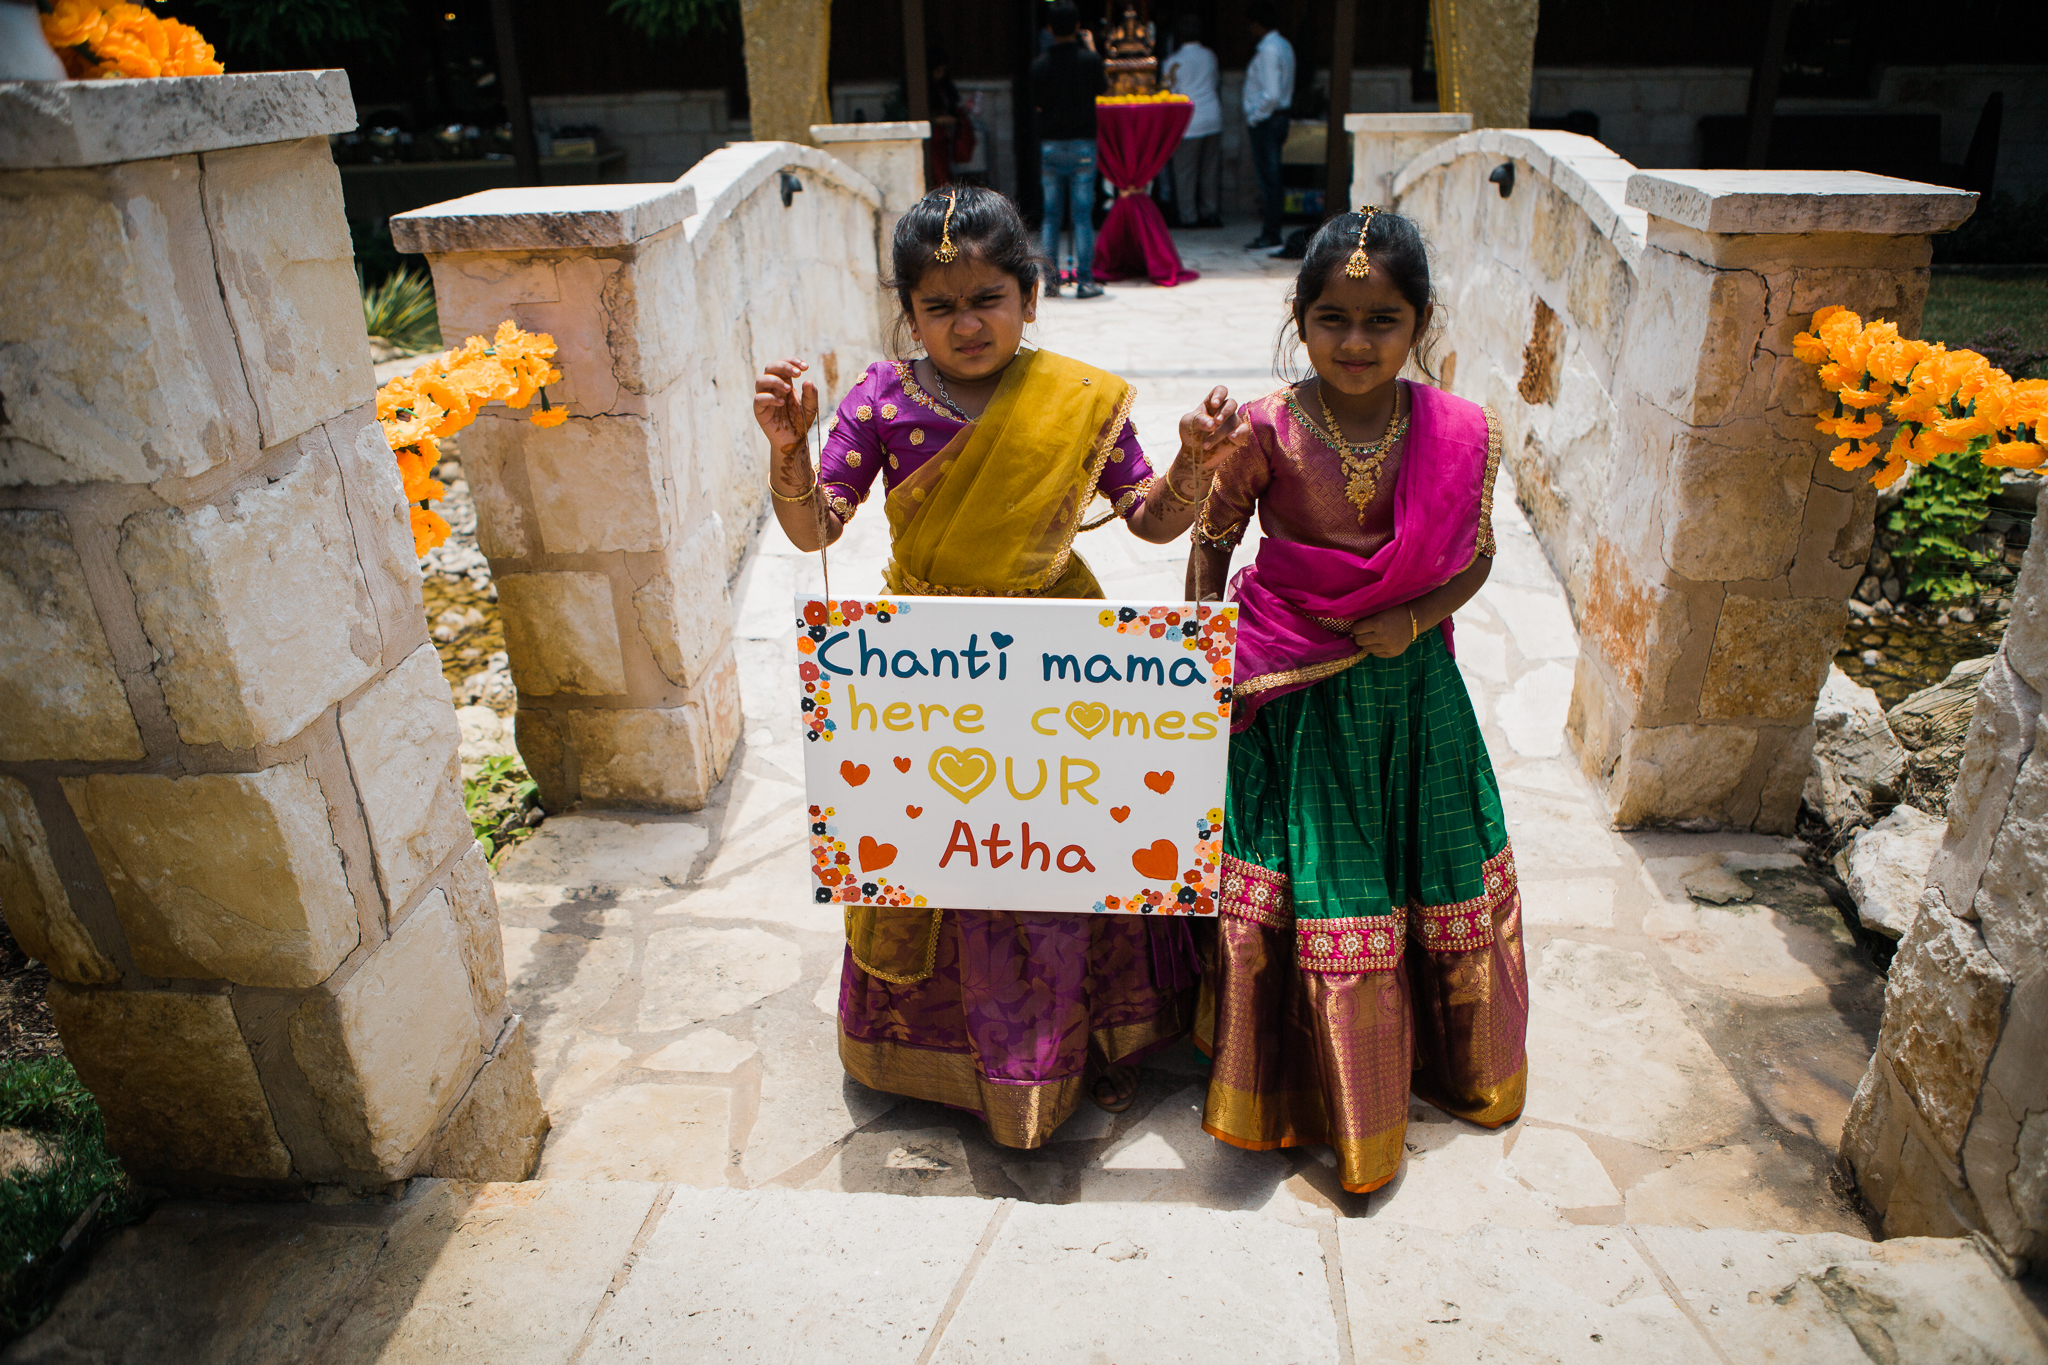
(101, 40)
(1944, 401)
(445, 395)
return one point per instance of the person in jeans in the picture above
(1268, 91)
(1198, 161)
(1064, 83)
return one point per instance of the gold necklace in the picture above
(1362, 459)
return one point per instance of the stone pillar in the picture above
(1485, 59)
(1381, 144)
(787, 45)
(891, 155)
(1949, 1130)
(1728, 542)
(230, 819)
(611, 565)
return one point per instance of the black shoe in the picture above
(1087, 289)
(1208, 222)
(1261, 243)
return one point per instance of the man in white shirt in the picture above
(1268, 93)
(1198, 161)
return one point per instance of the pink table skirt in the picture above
(1133, 144)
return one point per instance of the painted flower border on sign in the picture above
(851, 865)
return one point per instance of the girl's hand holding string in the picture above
(785, 416)
(1209, 436)
(1212, 432)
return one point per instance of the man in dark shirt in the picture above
(1064, 84)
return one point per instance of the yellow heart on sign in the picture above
(963, 773)
(1088, 717)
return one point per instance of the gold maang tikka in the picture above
(947, 252)
(1360, 265)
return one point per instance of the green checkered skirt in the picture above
(1370, 940)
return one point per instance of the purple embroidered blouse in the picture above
(888, 424)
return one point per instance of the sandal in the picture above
(1122, 1084)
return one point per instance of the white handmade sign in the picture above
(996, 754)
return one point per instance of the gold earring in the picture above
(1360, 265)
(947, 252)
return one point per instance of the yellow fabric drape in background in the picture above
(1485, 59)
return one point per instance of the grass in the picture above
(1962, 309)
(44, 1097)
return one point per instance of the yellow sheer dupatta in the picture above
(994, 514)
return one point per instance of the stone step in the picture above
(597, 1271)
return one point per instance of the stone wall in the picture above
(1537, 287)
(230, 821)
(613, 537)
(1949, 1131)
(1633, 331)
(662, 132)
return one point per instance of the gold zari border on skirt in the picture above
(1363, 1163)
(1018, 1115)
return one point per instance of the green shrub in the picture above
(401, 310)
(45, 1097)
(1945, 503)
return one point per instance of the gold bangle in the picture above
(1414, 628)
(802, 497)
(1166, 481)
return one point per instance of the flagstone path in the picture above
(714, 1187)
(1690, 1062)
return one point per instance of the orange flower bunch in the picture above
(99, 39)
(1163, 97)
(1944, 401)
(445, 395)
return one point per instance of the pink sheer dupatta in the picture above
(1296, 602)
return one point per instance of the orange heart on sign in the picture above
(1160, 782)
(874, 856)
(902, 765)
(913, 811)
(1161, 862)
(857, 773)
(1119, 813)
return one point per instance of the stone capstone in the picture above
(92, 123)
(174, 1080)
(403, 749)
(59, 695)
(221, 875)
(393, 1046)
(37, 906)
(286, 268)
(224, 593)
(497, 1128)
(562, 633)
(1885, 868)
